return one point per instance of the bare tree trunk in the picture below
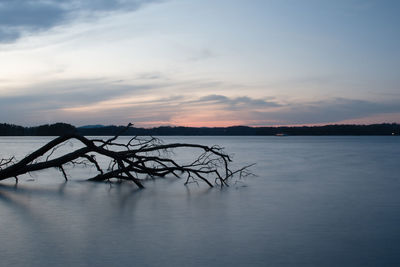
(139, 158)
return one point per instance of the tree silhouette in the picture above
(136, 160)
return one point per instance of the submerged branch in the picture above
(134, 161)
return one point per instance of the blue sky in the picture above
(199, 62)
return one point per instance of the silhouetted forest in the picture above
(42, 130)
(64, 128)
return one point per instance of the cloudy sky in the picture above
(199, 62)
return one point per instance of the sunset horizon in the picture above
(199, 133)
(199, 63)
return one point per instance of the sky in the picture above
(199, 62)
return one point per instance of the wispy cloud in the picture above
(174, 110)
(28, 104)
(26, 16)
(325, 111)
(235, 103)
(148, 101)
(201, 55)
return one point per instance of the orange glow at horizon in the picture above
(151, 112)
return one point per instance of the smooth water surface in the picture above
(317, 201)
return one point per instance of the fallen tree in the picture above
(135, 160)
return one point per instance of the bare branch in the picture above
(138, 158)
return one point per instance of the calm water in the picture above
(317, 201)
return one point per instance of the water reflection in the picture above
(316, 202)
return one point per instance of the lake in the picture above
(316, 201)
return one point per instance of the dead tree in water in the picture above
(133, 161)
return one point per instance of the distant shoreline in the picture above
(100, 130)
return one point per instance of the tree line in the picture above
(58, 129)
(55, 129)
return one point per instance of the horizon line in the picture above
(239, 125)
